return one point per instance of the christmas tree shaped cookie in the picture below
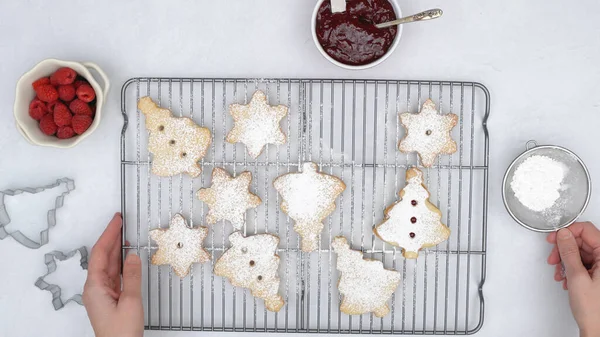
(428, 133)
(364, 284)
(179, 245)
(251, 263)
(412, 222)
(257, 124)
(228, 198)
(177, 143)
(308, 198)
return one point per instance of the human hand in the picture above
(114, 312)
(578, 247)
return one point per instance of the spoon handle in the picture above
(423, 16)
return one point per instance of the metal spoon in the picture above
(423, 16)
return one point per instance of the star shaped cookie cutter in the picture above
(51, 217)
(50, 261)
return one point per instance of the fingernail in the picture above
(118, 214)
(132, 258)
(564, 234)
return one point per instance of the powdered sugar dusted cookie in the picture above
(228, 198)
(179, 245)
(257, 124)
(365, 285)
(251, 263)
(412, 222)
(308, 198)
(177, 143)
(428, 133)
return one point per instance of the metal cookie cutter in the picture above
(17, 235)
(50, 261)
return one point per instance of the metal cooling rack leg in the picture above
(460, 188)
(191, 212)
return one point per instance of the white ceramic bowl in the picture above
(347, 66)
(29, 127)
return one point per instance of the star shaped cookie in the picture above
(428, 133)
(177, 143)
(179, 245)
(228, 198)
(257, 124)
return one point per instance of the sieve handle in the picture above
(530, 144)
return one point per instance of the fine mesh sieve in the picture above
(574, 194)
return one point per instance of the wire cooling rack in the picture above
(350, 129)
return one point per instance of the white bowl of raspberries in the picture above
(59, 103)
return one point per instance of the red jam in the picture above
(351, 37)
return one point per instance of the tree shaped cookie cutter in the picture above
(51, 217)
(50, 261)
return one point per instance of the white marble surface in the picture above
(538, 58)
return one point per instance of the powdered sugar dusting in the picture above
(537, 182)
(308, 198)
(257, 124)
(412, 222)
(365, 285)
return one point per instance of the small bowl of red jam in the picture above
(350, 39)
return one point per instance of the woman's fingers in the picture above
(551, 238)
(586, 253)
(585, 230)
(589, 234)
(114, 266)
(559, 274)
(132, 278)
(579, 250)
(99, 259)
(554, 257)
(568, 249)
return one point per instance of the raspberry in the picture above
(81, 123)
(47, 124)
(47, 93)
(41, 81)
(62, 115)
(78, 83)
(65, 132)
(86, 93)
(36, 113)
(66, 92)
(37, 109)
(79, 107)
(51, 105)
(63, 76)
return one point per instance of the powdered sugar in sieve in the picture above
(537, 182)
(546, 188)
